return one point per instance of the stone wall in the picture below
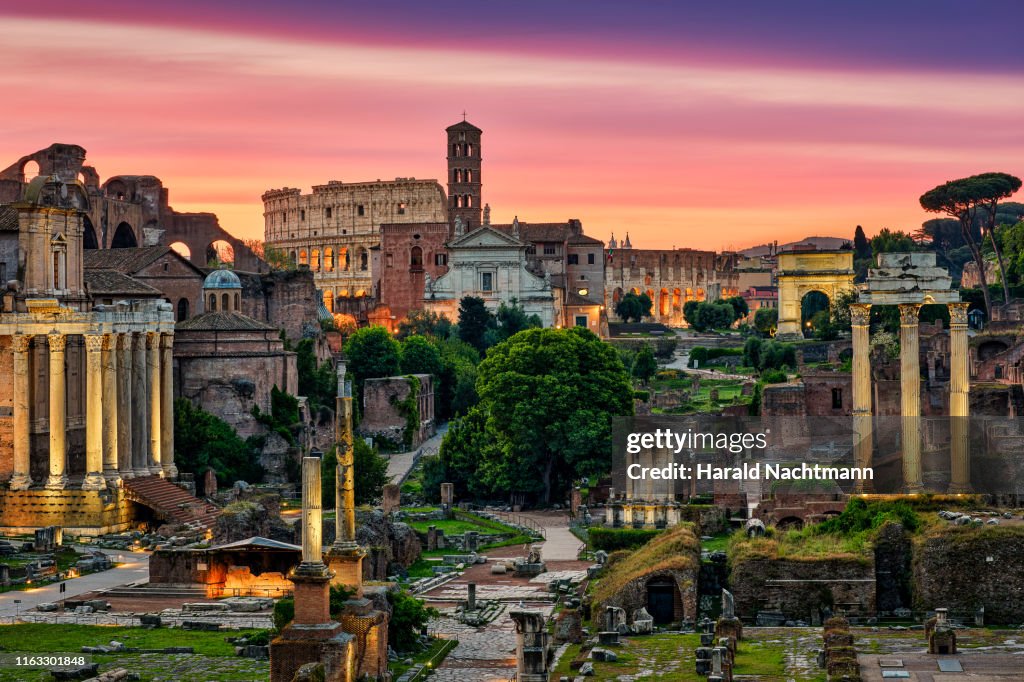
(964, 568)
(400, 280)
(383, 416)
(286, 299)
(801, 589)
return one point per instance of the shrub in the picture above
(612, 539)
(774, 376)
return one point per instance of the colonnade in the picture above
(910, 394)
(129, 418)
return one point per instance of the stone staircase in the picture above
(171, 503)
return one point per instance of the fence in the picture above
(514, 519)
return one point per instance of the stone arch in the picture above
(664, 602)
(800, 272)
(677, 298)
(220, 251)
(29, 170)
(89, 240)
(124, 237)
(990, 349)
(790, 523)
(664, 303)
(181, 248)
(812, 302)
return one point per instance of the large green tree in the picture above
(633, 307)
(969, 200)
(425, 323)
(202, 440)
(371, 473)
(420, 356)
(512, 319)
(645, 366)
(547, 398)
(371, 352)
(474, 322)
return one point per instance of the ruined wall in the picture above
(800, 589)
(384, 416)
(286, 299)
(964, 568)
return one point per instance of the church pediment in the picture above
(486, 237)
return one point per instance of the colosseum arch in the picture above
(89, 240)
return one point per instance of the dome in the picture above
(222, 279)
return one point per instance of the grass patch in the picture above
(718, 543)
(46, 637)
(435, 652)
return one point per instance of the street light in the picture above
(17, 609)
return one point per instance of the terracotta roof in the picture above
(539, 232)
(584, 239)
(8, 219)
(123, 260)
(222, 321)
(112, 283)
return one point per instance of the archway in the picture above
(662, 595)
(29, 170)
(664, 303)
(218, 252)
(181, 248)
(790, 523)
(800, 272)
(124, 237)
(89, 240)
(182, 309)
(812, 303)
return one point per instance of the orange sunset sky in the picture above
(681, 124)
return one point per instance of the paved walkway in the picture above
(559, 544)
(134, 568)
(400, 464)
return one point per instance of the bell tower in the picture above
(464, 198)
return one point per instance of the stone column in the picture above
(959, 401)
(22, 478)
(312, 512)
(153, 380)
(110, 410)
(167, 406)
(140, 404)
(58, 478)
(94, 414)
(531, 646)
(860, 317)
(125, 406)
(910, 397)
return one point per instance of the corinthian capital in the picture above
(909, 314)
(57, 342)
(958, 313)
(860, 314)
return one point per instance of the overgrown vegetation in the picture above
(371, 474)
(202, 441)
(612, 539)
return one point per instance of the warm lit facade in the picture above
(85, 400)
(333, 229)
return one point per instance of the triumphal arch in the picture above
(802, 272)
(909, 281)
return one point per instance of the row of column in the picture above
(129, 427)
(910, 393)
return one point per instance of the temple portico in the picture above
(45, 404)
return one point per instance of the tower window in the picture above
(469, 201)
(401, 208)
(416, 258)
(469, 175)
(327, 212)
(360, 210)
(469, 149)
(302, 214)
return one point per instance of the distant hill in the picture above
(823, 243)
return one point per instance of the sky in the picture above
(704, 125)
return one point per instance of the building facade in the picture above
(86, 400)
(333, 229)
(670, 277)
(492, 265)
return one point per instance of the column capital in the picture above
(94, 342)
(860, 314)
(109, 342)
(958, 312)
(152, 340)
(20, 343)
(909, 314)
(57, 342)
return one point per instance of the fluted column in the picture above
(959, 401)
(125, 406)
(345, 482)
(110, 410)
(140, 404)
(58, 478)
(312, 512)
(860, 318)
(22, 477)
(167, 406)
(94, 413)
(910, 396)
(155, 392)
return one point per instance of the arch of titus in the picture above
(910, 280)
(86, 390)
(801, 272)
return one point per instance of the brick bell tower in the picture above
(464, 198)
